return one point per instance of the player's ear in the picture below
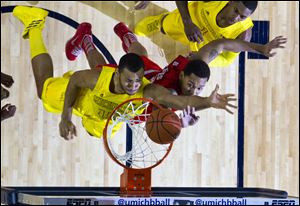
(117, 72)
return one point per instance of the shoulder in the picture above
(86, 78)
(179, 63)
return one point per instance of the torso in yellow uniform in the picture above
(94, 106)
(204, 15)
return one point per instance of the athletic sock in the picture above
(37, 45)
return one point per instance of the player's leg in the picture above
(83, 40)
(33, 20)
(131, 45)
(42, 69)
(130, 42)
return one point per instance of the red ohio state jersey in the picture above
(167, 77)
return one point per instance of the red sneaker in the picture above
(73, 46)
(126, 36)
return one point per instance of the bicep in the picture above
(209, 52)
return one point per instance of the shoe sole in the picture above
(23, 13)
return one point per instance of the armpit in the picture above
(213, 54)
(246, 35)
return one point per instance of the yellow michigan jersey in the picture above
(93, 106)
(204, 15)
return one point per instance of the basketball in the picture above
(163, 126)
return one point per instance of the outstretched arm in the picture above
(210, 51)
(162, 96)
(79, 80)
(225, 59)
(191, 30)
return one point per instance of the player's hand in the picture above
(67, 129)
(141, 5)
(6, 80)
(277, 42)
(188, 117)
(219, 101)
(7, 111)
(193, 32)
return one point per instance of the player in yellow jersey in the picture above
(200, 22)
(93, 94)
(99, 86)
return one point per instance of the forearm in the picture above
(181, 102)
(163, 96)
(184, 11)
(211, 50)
(237, 45)
(199, 103)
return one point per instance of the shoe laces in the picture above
(153, 26)
(76, 51)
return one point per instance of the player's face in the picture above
(192, 84)
(130, 81)
(234, 12)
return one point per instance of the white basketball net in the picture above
(144, 153)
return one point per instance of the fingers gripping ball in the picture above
(163, 126)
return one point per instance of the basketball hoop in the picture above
(136, 153)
